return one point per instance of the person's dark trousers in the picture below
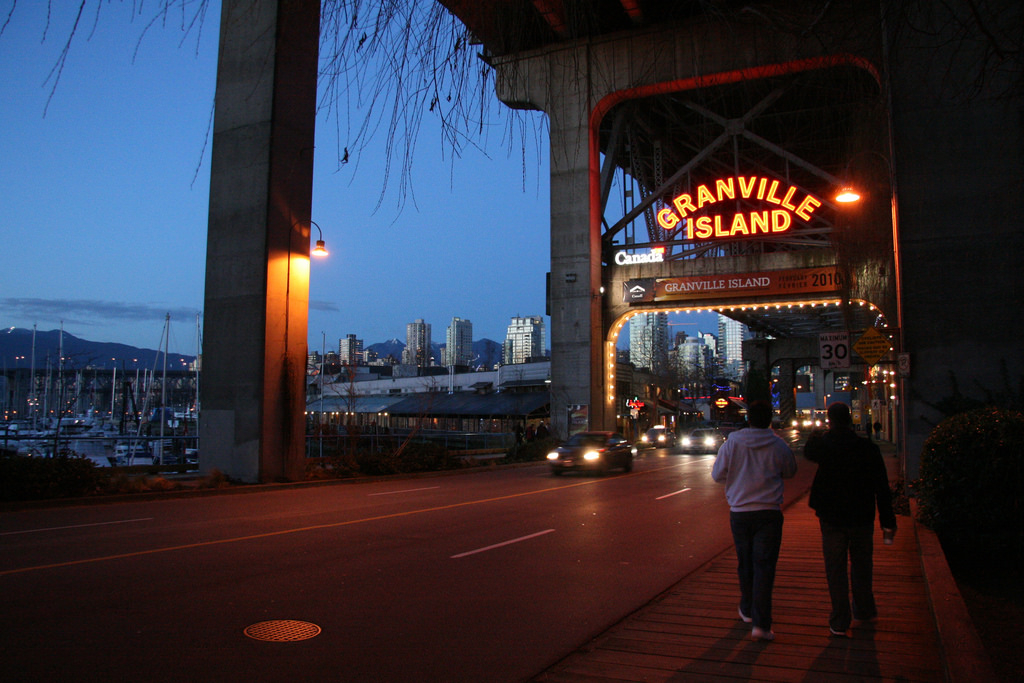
(841, 545)
(758, 536)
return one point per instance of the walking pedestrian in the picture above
(851, 482)
(753, 462)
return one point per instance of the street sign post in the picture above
(834, 350)
(872, 346)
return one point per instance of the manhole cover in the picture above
(282, 631)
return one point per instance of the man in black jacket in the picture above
(850, 483)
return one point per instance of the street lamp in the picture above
(847, 195)
(320, 249)
(848, 192)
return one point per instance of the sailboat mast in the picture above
(32, 381)
(199, 353)
(163, 384)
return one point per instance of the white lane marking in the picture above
(75, 526)
(668, 495)
(388, 493)
(499, 545)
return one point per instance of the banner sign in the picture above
(767, 283)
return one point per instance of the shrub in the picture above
(971, 484)
(532, 450)
(412, 456)
(32, 478)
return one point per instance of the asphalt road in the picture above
(491, 576)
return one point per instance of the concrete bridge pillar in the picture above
(574, 298)
(257, 263)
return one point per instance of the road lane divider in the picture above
(674, 493)
(74, 526)
(391, 493)
(502, 544)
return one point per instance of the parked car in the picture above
(703, 440)
(592, 451)
(657, 436)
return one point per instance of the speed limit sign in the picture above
(834, 349)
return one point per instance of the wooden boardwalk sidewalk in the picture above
(692, 632)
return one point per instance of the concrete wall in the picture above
(958, 128)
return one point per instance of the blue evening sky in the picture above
(106, 186)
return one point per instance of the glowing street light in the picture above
(320, 249)
(847, 195)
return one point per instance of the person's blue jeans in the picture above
(853, 544)
(758, 537)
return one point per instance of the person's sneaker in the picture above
(835, 633)
(761, 634)
(744, 617)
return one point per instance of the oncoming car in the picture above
(657, 436)
(706, 440)
(592, 451)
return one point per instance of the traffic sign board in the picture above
(834, 350)
(872, 346)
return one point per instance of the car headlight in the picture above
(709, 441)
(661, 438)
(796, 423)
(591, 455)
(553, 455)
(686, 441)
(644, 438)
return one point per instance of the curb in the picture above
(964, 654)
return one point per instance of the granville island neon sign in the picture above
(788, 198)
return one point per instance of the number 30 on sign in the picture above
(834, 350)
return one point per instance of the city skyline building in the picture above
(350, 350)
(731, 335)
(417, 344)
(524, 340)
(694, 363)
(458, 349)
(648, 341)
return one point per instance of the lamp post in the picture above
(320, 249)
(849, 195)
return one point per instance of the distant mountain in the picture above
(391, 347)
(486, 353)
(16, 352)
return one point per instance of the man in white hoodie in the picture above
(753, 462)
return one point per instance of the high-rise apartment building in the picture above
(648, 341)
(694, 362)
(350, 350)
(731, 334)
(524, 340)
(417, 344)
(458, 340)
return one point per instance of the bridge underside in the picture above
(649, 101)
(694, 165)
